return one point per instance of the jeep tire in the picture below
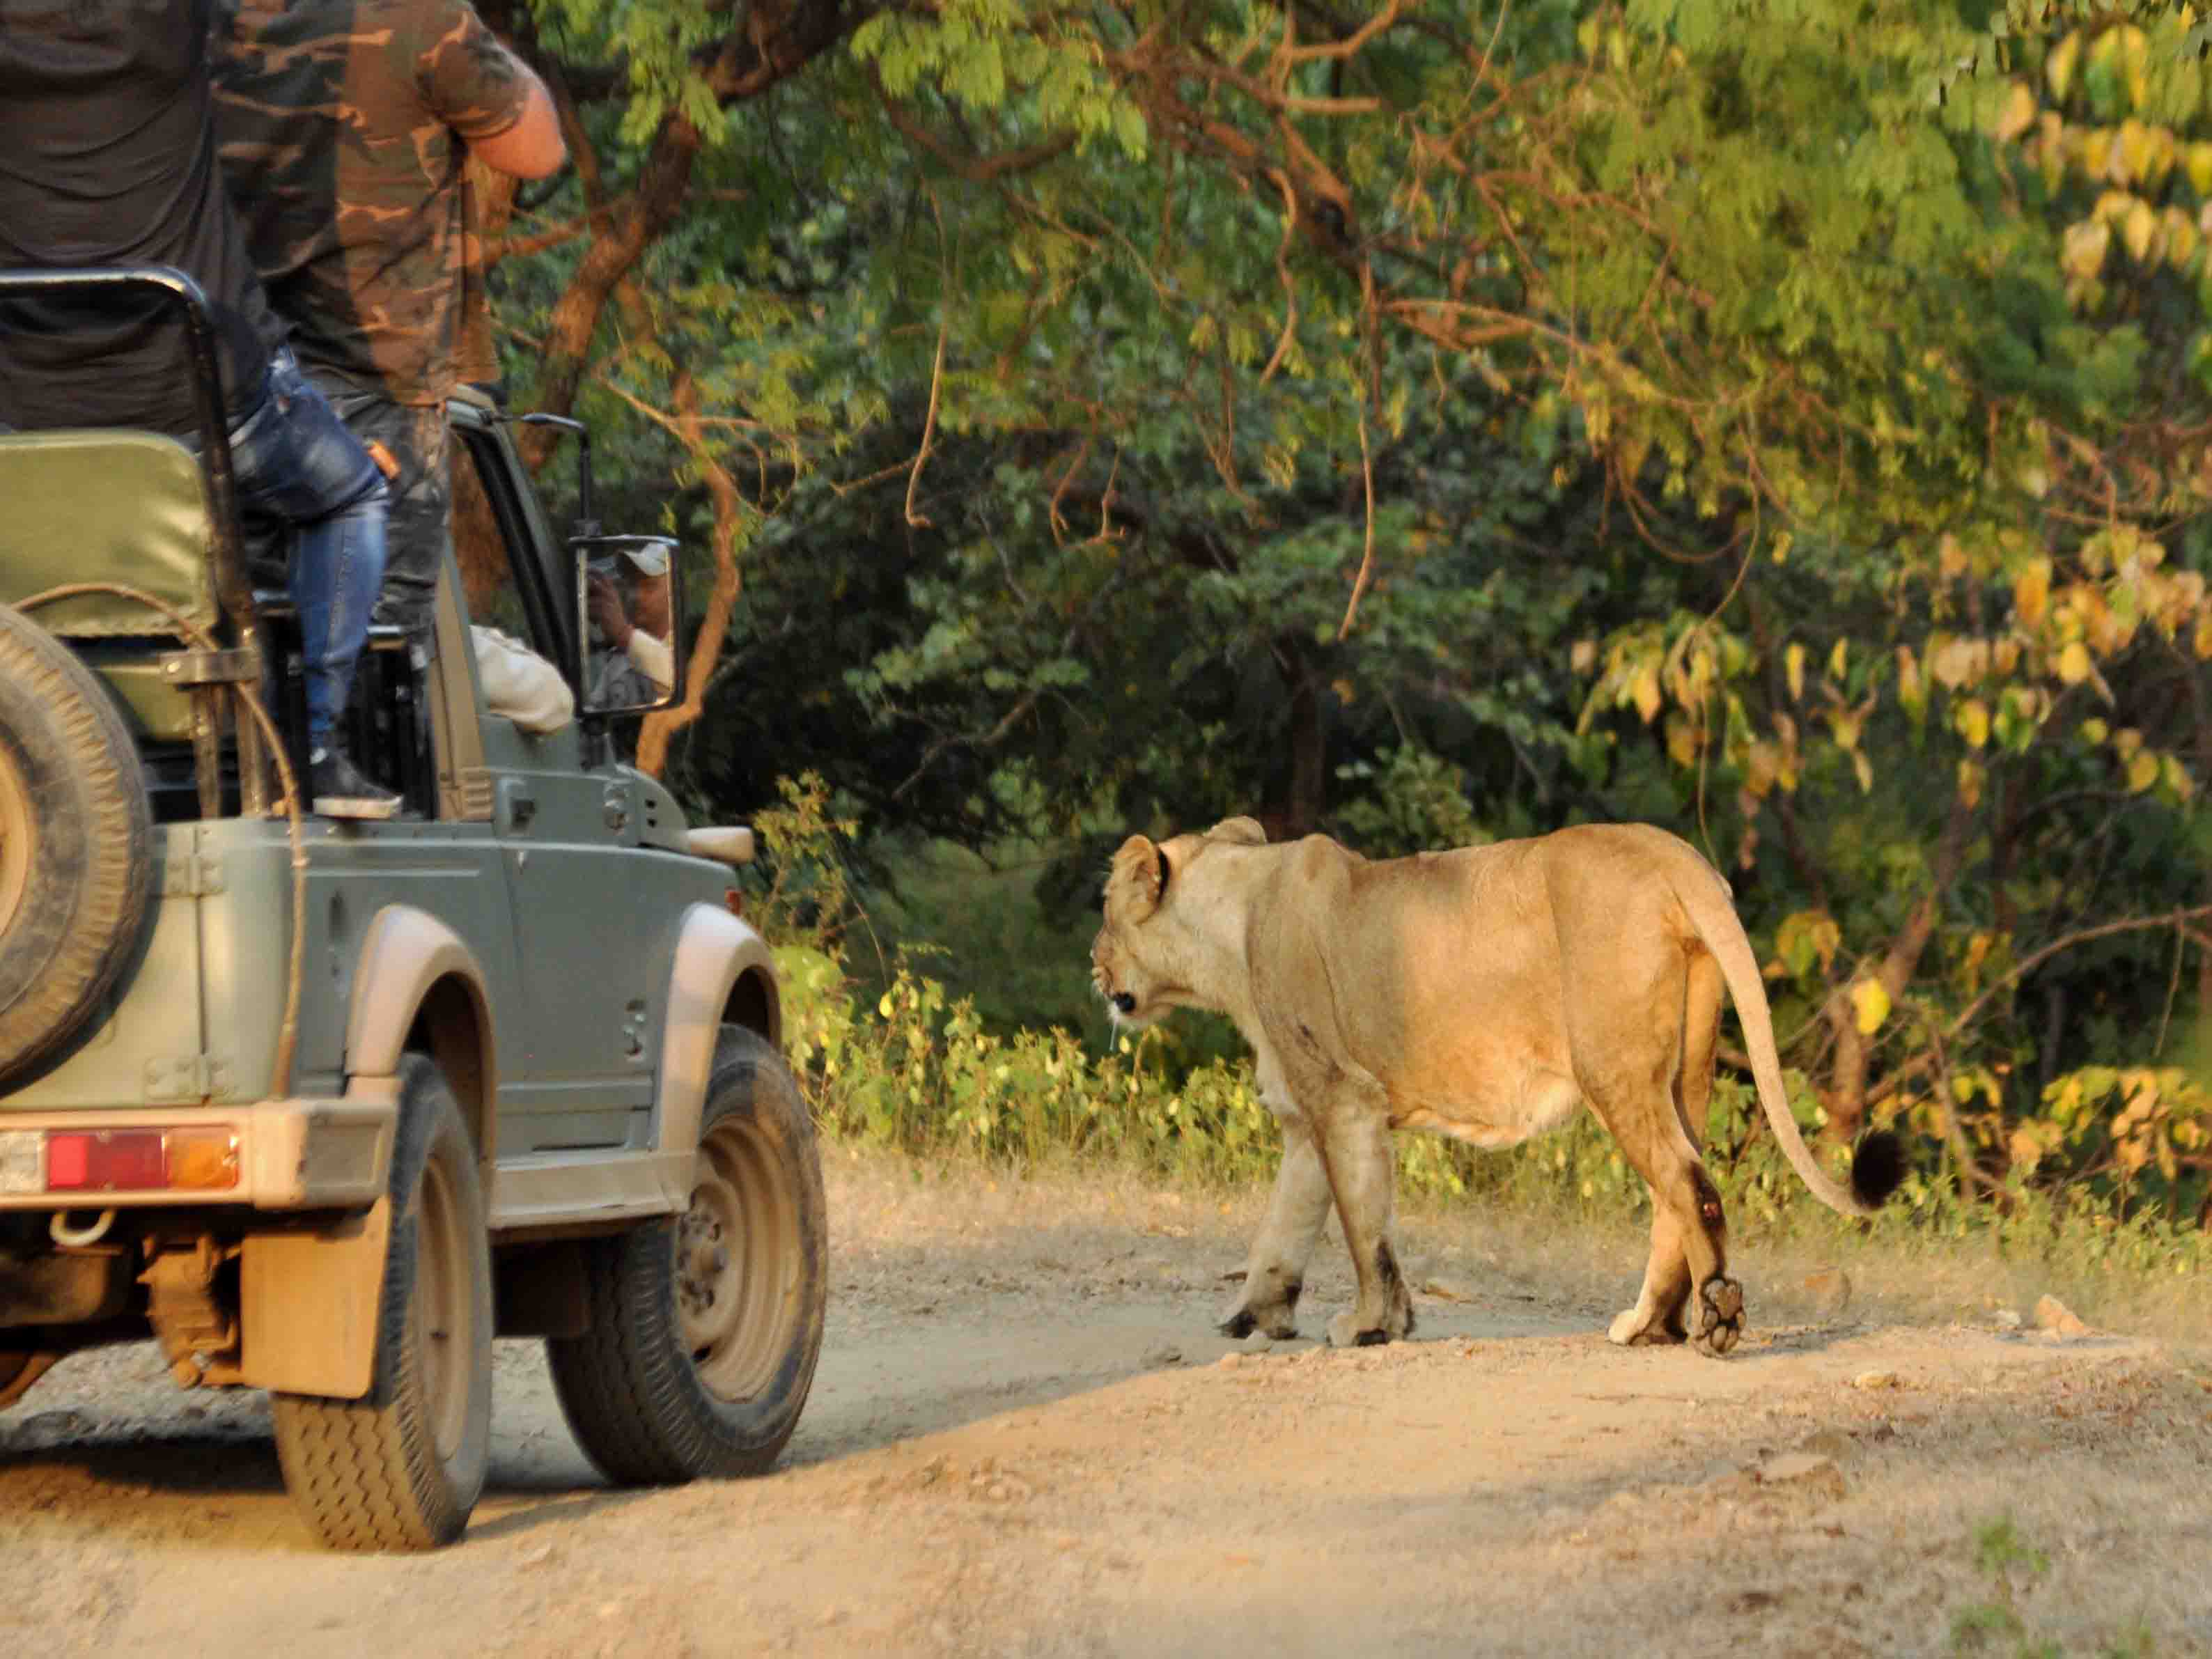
(402, 1468)
(75, 839)
(704, 1327)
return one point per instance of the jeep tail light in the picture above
(141, 1160)
(106, 1160)
(203, 1160)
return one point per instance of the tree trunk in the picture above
(620, 237)
(714, 626)
(1308, 794)
(1847, 1076)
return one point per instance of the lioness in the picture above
(1485, 994)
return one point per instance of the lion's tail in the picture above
(1877, 1165)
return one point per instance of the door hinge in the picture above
(196, 1076)
(191, 875)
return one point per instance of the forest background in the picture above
(1785, 421)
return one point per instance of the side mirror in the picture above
(630, 647)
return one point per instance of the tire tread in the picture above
(70, 942)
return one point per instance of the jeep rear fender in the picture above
(416, 985)
(722, 971)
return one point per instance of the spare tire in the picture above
(76, 845)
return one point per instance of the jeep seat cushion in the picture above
(128, 508)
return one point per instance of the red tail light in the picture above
(141, 1160)
(114, 1160)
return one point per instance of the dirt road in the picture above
(1025, 1439)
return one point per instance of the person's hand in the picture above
(608, 614)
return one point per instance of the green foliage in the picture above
(1416, 800)
(1758, 425)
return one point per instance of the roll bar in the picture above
(232, 591)
(226, 554)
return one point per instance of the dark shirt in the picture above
(108, 157)
(344, 126)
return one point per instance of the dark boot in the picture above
(337, 790)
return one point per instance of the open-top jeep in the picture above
(324, 1106)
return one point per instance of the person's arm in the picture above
(652, 657)
(532, 147)
(520, 684)
(486, 94)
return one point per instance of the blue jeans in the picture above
(295, 461)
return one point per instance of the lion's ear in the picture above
(1244, 830)
(1145, 867)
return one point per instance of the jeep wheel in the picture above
(705, 1327)
(401, 1469)
(75, 841)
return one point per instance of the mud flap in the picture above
(308, 1306)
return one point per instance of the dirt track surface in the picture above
(1000, 1457)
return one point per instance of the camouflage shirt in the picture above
(343, 126)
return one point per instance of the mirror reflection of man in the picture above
(631, 614)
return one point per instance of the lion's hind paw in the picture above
(1720, 1322)
(1345, 1332)
(1631, 1328)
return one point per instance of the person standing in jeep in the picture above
(110, 160)
(345, 128)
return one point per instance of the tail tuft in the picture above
(1877, 1167)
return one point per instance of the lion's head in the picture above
(1151, 941)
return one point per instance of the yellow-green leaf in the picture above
(2017, 114)
(1912, 691)
(1972, 717)
(2176, 777)
(1870, 1003)
(2096, 152)
(2084, 249)
(1793, 662)
(2058, 68)
(1806, 934)
(2138, 149)
(2142, 771)
(2199, 160)
(1644, 689)
(1836, 659)
(2139, 229)
(2073, 663)
(1681, 740)
(2031, 591)
(2182, 237)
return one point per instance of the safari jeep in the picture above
(324, 1107)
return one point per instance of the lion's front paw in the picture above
(1276, 1321)
(1720, 1316)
